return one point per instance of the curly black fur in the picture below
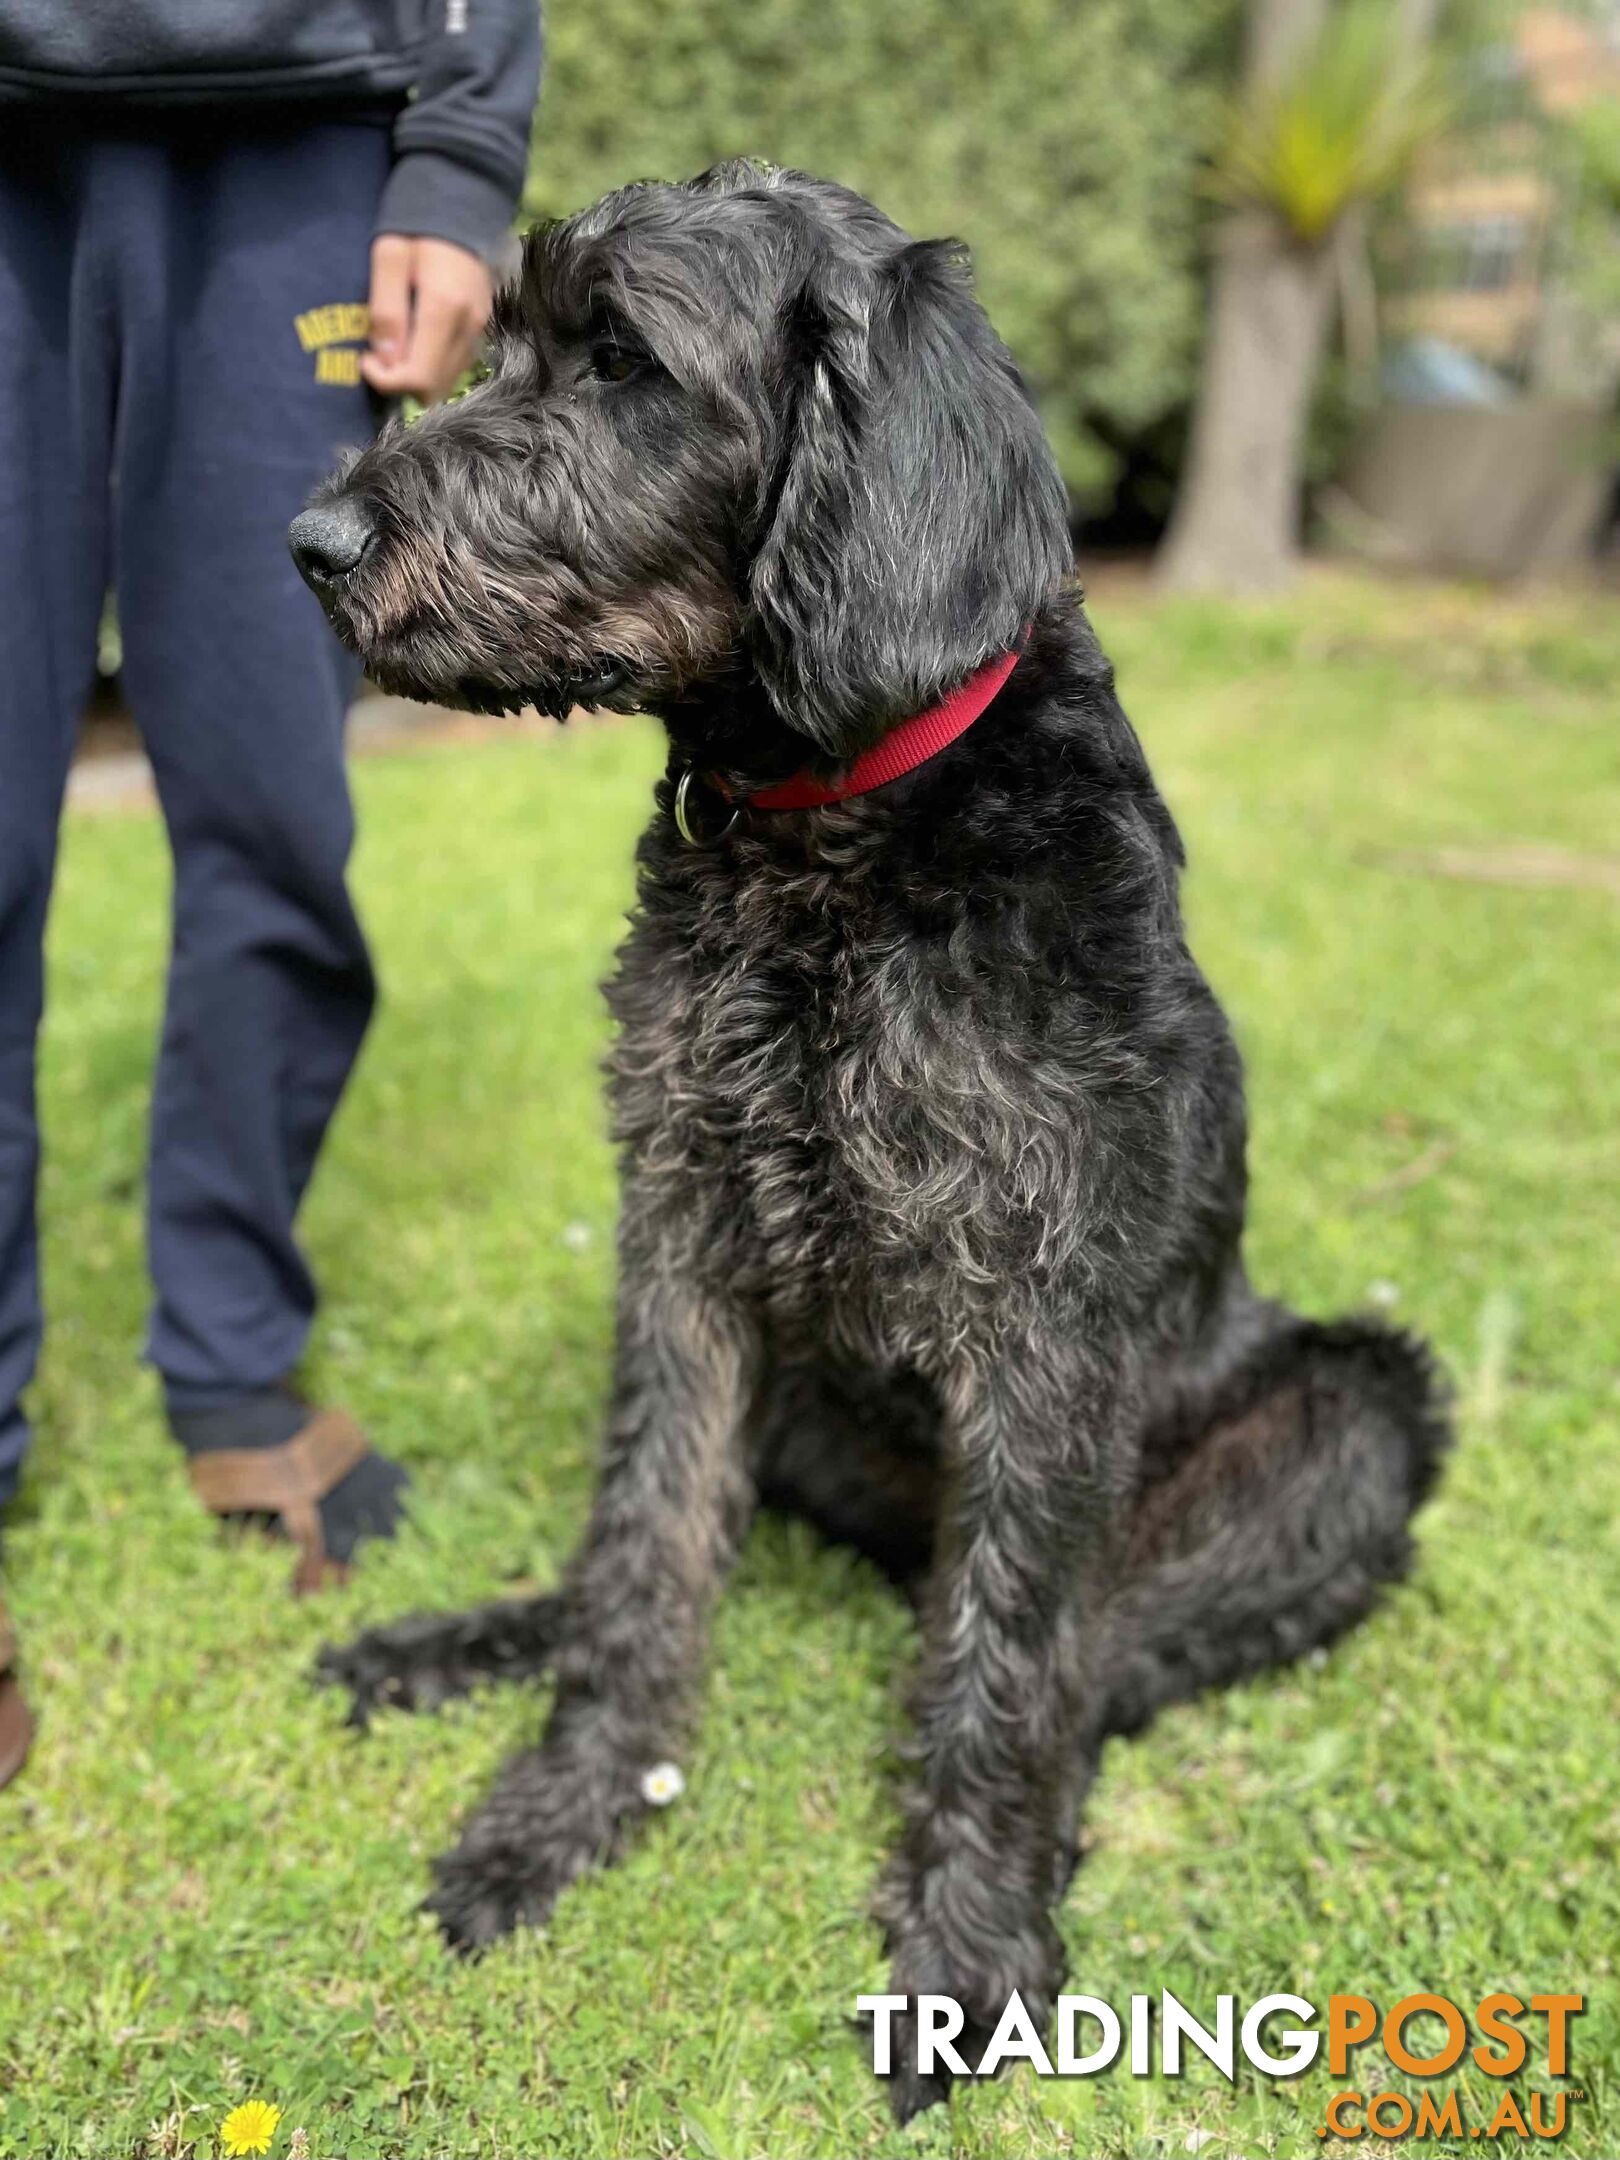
(932, 1132)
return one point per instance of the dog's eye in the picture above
(617, 363)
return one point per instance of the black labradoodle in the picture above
(932, 1132)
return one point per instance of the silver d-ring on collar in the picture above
(683, 823)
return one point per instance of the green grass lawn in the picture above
(208, 1887)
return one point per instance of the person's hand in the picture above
(429, 303)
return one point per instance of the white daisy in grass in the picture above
(662, 1784)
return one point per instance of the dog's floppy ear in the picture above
(919, 518)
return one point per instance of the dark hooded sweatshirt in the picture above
(458, 78)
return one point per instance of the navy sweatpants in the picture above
(181, 316)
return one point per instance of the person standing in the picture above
(230, 230)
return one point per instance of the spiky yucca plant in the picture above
(1338, 127)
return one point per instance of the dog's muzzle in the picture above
(329, 542)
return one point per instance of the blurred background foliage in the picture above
(1450, 161)
(1061, 142)
(1592, 248)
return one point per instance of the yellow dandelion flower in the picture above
(249, 2128)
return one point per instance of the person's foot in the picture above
(270, 1457)
(16, 1724)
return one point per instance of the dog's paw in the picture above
(414, 1664)
(956, 1969)
(911, 2089)
(910, 2092)
(432, 1658)
(547, 1820)
(480, 1896)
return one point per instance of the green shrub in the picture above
(1060, 141)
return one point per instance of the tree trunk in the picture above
(1236, 522)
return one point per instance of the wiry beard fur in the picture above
(459, 603)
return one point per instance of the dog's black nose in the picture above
(329, 540)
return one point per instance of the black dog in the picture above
(932, 1132)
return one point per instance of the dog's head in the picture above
(744, 449)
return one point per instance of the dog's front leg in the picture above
(672, 1503)
(1001, 1698)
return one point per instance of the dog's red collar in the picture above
(902, 750)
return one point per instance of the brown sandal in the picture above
(16, 1724)
(289, 1481)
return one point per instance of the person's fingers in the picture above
(441, 337)
(389, 378)
(392, 264)
(450, 296)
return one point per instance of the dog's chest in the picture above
(838, 1113)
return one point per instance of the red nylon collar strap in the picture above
(902, 750)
